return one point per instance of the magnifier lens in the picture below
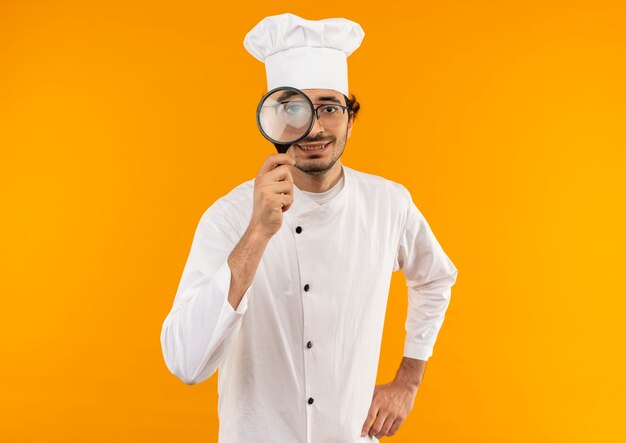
(285, 115)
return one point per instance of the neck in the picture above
(317, 183)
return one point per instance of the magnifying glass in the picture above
(285, 116)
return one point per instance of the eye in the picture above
(294, 108)
(330, 109)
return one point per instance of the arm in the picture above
(429, 276)
(243, 262)
(212, 297)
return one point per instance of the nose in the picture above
(317, 126)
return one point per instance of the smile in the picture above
(313, 149)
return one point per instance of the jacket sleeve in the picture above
(429, 277)
(202, 325)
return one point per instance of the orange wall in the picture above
(122, 121)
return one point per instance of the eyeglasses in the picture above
(298, 111)
(330, 116)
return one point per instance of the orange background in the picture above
(122, 121)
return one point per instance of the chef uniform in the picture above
(297, 359)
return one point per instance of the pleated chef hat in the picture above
(305, 54)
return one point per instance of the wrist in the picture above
(410, 386)
(257, 234)
(411, 373)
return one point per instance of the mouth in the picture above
(313, 148)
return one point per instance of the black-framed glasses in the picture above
(330, 115)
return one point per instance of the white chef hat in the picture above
(305, 54)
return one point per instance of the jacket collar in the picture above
(303, 207)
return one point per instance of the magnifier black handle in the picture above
(281, 148)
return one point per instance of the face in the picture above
(320, 161)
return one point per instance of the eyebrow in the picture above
(329, 98)
(286, 95)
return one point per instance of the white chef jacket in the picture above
(298, 358)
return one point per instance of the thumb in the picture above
(369, 421)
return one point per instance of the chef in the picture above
(286, 284)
